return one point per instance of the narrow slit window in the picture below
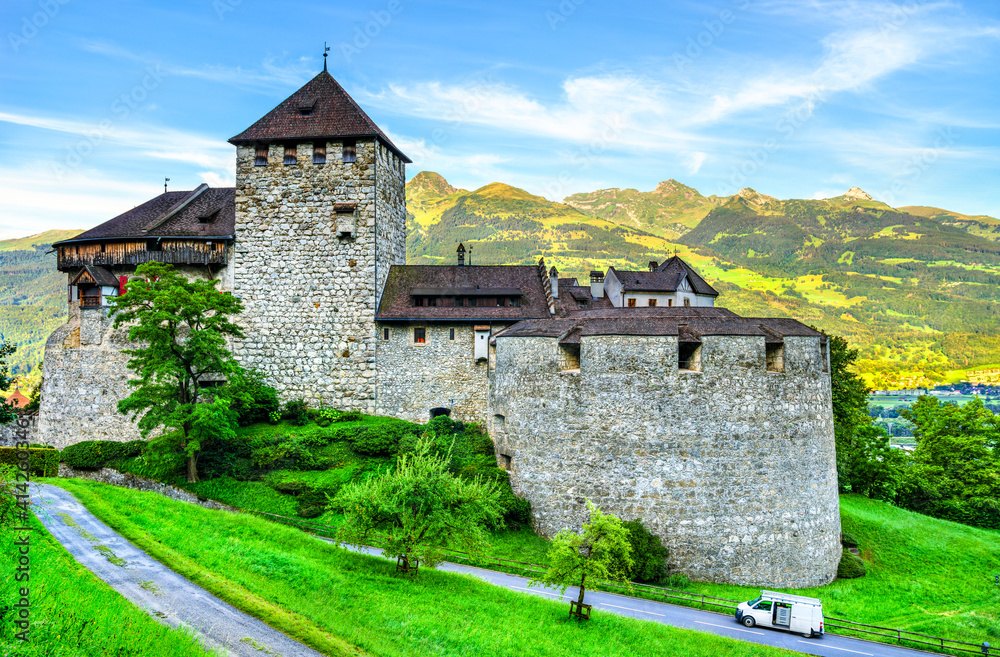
(689, 356)
(350, 152)
(260, 155)
(451, 334)
(824, 346)
(670, 302)
(385, 334)
(687, 302)
(291, 154)
(419, 335)
(569, 357)
(319, 153)
(775, 357)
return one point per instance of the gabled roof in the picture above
(18, 400)
(100, 275)
(332, 114)
(171, 214)
(699, 284)
(406, 281)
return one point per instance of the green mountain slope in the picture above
(670, 210)
(32, 297)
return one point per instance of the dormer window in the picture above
(260, 155)
(208, 218)
(350, 152)
(306, 107)
(319, 153)
(291, 154)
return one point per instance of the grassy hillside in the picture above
(32, 297)
(74, 614)
(275, 572)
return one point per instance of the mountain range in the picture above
(913, 287)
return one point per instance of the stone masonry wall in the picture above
(414, 378)
(84, 375)
(24, 428)
(733, 467)
(310, 295)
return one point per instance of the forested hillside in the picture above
(32, 298)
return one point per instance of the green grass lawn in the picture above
(74, 614)
(334, 599)
(924, 575)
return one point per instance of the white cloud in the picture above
(694, 161)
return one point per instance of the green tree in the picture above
(418, 508)
(955, 469)
(600, 551)
(866, 464)
(181, 328)
(7, 413)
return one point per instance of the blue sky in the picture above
(100, 100)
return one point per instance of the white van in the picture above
(783, 611)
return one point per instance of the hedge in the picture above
(44, 460)
(95, 454)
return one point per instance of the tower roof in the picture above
(320, 109)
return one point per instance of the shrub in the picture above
(274, 417)
(43, 462)
(253, 400)
(677, 581)
(848, 540)
(297, 412)
(381, 439)
(324, 417)
(349, 416)
(96, 454)
(649, 557)
(851, 566)
(282, 451)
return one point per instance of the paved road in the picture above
(829, 645)
(152, 586)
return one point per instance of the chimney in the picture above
(554, 281)
(597, 284)
(653, 265)
(461, 255)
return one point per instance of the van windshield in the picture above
(754, 601)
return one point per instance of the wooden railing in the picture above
(90, 302)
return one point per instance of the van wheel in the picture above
(749, 621)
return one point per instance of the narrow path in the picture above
(829, 645)
(152, 586)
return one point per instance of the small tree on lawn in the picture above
(600, 551)
(418, 508)
(181, 327)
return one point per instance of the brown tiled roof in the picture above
(334, 115)
(573, 298)
(218, 201)
(688, 325)
(18, 400)
(648, 281)
(405, 280)
(699, 284)
(571, 282)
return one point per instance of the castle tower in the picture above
(320, 218)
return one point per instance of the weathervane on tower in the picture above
(326, 49)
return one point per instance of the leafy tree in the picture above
(601, 550)
(866, 464)
(181, 327)
(6, 408)
(955, 470)
(418, 508)
(649, 557)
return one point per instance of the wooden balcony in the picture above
(90, 301)
(174, 252)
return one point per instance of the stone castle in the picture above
(634, 391)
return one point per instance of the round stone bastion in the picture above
(726, 454)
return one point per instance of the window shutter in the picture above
(122, 280)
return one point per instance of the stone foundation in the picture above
(134, 482)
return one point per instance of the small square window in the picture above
(350, 152)
(670, 302)
(260, 155)
(419, 335)
(451, 334)
(291, 154)
(652, 303)
(385, 334)
(687, 302)
(631, 303)
(319, 153)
